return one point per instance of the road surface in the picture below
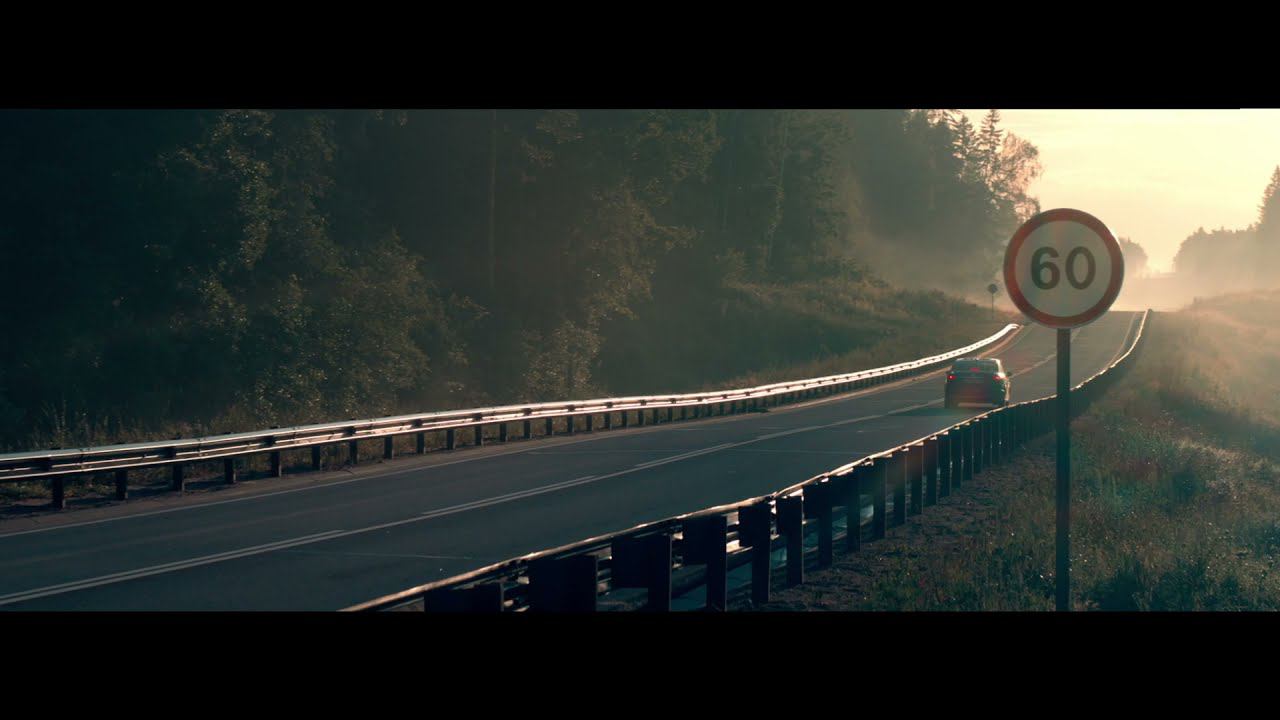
(324, 541)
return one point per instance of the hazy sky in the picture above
(1153, 176)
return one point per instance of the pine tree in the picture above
(1269, 210)
(990, 140)
(1267, 237)
(964, 145)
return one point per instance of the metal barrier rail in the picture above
(57, 464)
(701, 547)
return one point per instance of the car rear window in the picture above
(983, 366)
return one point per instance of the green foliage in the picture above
(217, 270)
(1174, 492)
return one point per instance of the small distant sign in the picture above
(993, 288)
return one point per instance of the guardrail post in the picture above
(624, 417)
(898, 479)
(315, 453)
(528, 429)
(608, 419)
(551, 427)
(502, 432)
(879, 480)
(483, 598)
(645, 561)
(988, 441)
(568, 424)
(755, 530)
(122, 483)
(388, 447)
(966, 456)
(851, 495)
(946, 461)
(1000, 443)
(914, 459)
(177, 481)
(706, 542)
(979, 445)
(450, 439)
(993, 439)
(59, 495)
(931, 471)
(565, 584)
(229, 471)
(353, 451)
(640, 417)
(478, 432)
(276, 469)
(817, 505)
(791, 525)
(590, 422)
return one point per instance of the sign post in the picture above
(993, 289)
(1063, 268)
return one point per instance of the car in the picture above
(978, 380)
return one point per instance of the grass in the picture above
(1175, 493)
(787, 331)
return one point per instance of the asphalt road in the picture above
(324, 541)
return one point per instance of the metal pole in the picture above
(1064, 471)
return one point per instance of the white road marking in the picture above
(386, 555)
(784, 433)
(158, 569)
(682, 456)
(336, 534)
(1018, 337)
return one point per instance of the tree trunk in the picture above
(493, 181)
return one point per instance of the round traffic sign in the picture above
(1063, 268)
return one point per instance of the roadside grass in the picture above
(1175, 494)
(806, 320)
(827, 327)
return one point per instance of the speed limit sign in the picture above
(1063, 268)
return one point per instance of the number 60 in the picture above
(1039, 265)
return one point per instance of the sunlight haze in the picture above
(1153, 176)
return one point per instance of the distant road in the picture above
(324, 541)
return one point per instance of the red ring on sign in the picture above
(1064, 215)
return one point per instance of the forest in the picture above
(219, 270)
(1234, 260)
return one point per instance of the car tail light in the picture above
(951, 377)
(998, 376)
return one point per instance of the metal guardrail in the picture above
(670, 556)
(57, 464)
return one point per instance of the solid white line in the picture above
(158, 569)
(682, 456)
(784, 433)
(319, 485)
(386, 555)
(454, 509)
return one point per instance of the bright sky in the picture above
(1153, 176)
